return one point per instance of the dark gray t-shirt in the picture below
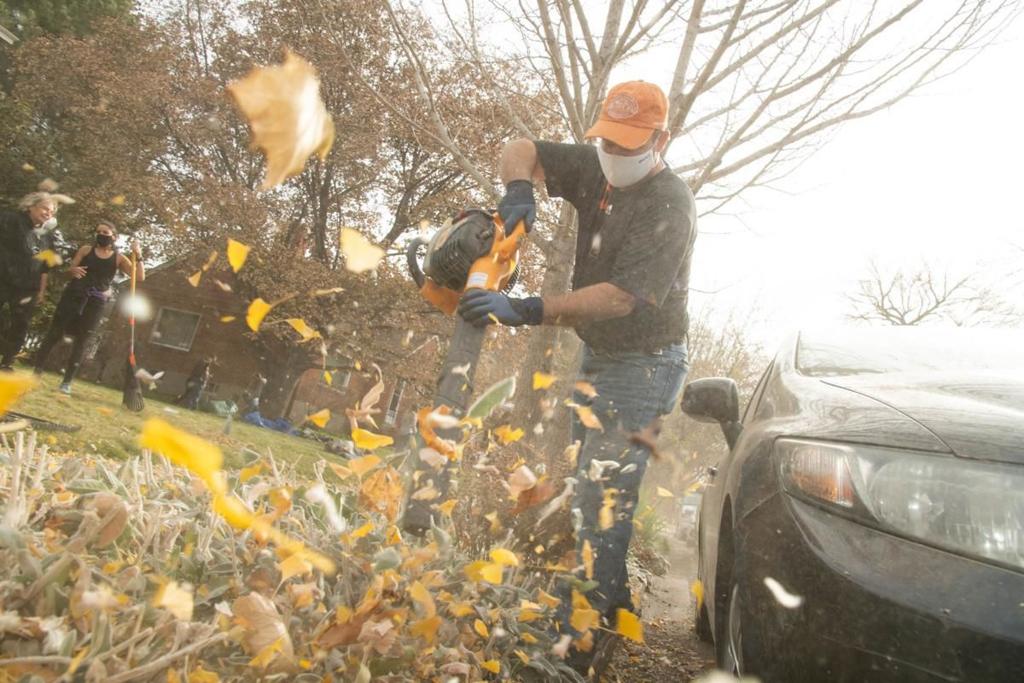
(639, 238)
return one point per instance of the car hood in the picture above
(977, 416)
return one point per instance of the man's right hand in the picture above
(518, 205)
(77, 272)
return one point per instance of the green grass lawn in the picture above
(110, 430)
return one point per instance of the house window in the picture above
(174, 329)
(396, 400)
(339, 379)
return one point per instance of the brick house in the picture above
(189, 324)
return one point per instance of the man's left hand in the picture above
(481, 307)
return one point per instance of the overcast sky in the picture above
(935, 178)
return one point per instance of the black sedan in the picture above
(868, 522)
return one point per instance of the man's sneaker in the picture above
(65, 388)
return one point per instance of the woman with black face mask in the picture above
(81, 304)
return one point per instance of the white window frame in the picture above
(154, 338)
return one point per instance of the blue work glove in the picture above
(517, 205)
(478, 305)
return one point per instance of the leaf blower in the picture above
(470, 252)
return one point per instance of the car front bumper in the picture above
(876, 607)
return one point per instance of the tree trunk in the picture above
(284, 367)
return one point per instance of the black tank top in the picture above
(99, 272)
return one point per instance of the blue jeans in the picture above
(633, 390)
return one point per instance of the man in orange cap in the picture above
(637, 225)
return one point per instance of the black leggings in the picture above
(76, 315)
(21, 303)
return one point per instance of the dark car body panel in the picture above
(878, 607)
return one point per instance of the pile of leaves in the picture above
(125, 571)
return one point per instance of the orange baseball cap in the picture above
(630, 113)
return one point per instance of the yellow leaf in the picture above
(328, 378)
(369, 441)
(492, 665)
(305, 331)
(258, 310)
(446, 507)
(117, 200)
(201, 675)
(491, 573)
(382, 491)
(201, 457)
(48, 256)
(173, 676)
(583, 617)
(320, 418)
(267, 655)
(548, 599)
(362, 531)
(481, 628)
(588, 560)
(237, 253)
(606, 516)
(364, 464)
(426, 628)
(361, 255)
(288, 119)
(176, 599)
(588, 418)
(505, 557)
(247, 473)
(523, 657)
(665, 493)
(460, 609)
(585, 388)
(227, 318)
(419, 593)
(195, 277)
(542, 380)
(628, 625)
(294, 565)
(340, 470)
(507, 435)
(529, 638)
(697, 589)
(12, 386)
(210, 260)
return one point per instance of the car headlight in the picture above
(965, 506)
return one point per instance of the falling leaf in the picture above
(697, 589)
(491, 573)
(201, 457)
(258, 310)
(781, 595)
(305, 331)
(507, 435)
(364, 464)
(492, 665)
(288, 119)
(495, 395)
(237, 253)
(446, 507)
(302, 594)
(201, 675)
(328, 378)
(665, 493)
(547, 599)
(382, 492)
(521, 480)
(542, 380)
(369, 441)
(210, 260)
(294, 565)
(28, 168)
(48, 256)
(247, 473)
(117, 200)
(176, 599)
(426, 628)
(360, 253)
(320, 418)
(585, 388)
(606, 516)
(12, 386)
(194, 278)
(587, 555)
(583, 617)
(587, 417)
(505, 557)
(227, 318)
(628, 625)
(362, 531)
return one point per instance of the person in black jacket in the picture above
(81, 304)
(25, 237)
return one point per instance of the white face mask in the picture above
(623, 171)
(48, 224)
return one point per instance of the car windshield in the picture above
(905, 349)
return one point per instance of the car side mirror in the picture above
(714, 399)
